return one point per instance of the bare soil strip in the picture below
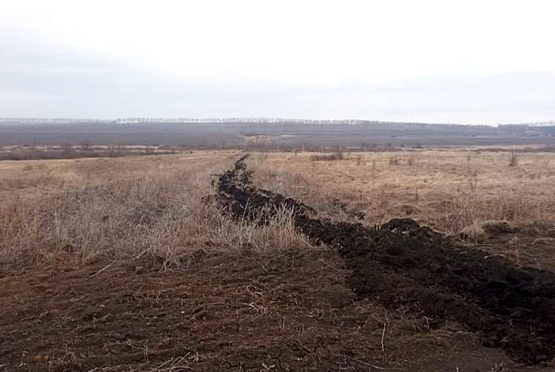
(404, 265)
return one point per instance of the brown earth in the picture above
(286, 312)
(401, 264)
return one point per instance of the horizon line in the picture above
(269, 120)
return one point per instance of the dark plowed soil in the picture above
(288, 311)
(237, 195)
(402, 264)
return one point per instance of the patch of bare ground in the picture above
(280, 312)
(525, 244)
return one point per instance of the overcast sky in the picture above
(434, 61)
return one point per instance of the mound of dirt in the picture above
(403, 264)
(238, 196)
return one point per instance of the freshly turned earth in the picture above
(402, 264)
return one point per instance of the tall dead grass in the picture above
(124, 208)
(162, 214)
(450, 190)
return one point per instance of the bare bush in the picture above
(394, 160)
(513, 159)
(328, 157)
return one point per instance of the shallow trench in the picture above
(403, 264)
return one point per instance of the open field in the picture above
(126, 264)
(448, 189)
(274, 135)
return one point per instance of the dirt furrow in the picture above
(403, 264)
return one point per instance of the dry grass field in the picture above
(448, 189)
(456, 191)
(126, 264)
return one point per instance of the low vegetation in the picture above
(195, 283)
(447, 189)
(155, 207)
(328, 157)
(130, 206)
(84, 150)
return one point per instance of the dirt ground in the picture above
(290, 312)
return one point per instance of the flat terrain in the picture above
(273, 135)
(129, 264)
(448, 189)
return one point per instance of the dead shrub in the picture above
(328, 157)
(513, 159)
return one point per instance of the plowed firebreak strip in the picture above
(404, 264)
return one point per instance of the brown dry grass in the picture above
(125, 207)
(451, 190)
